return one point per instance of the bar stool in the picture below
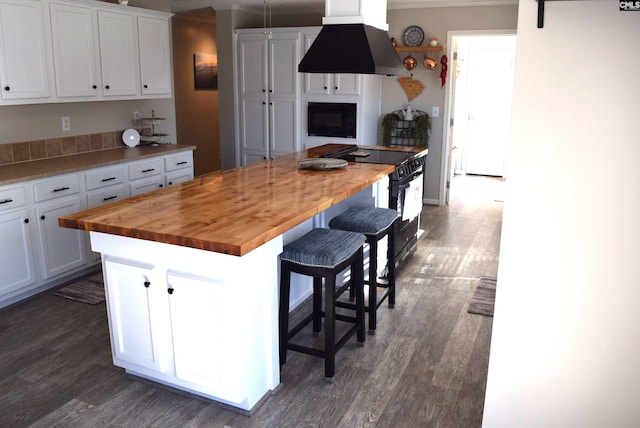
(323, 253)
(375, 224)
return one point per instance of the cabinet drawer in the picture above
(105, 196)
(11, 198)
(56, 188)
(184, 160)
(145, 169)
(104, 177)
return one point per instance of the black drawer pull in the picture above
(108, 198)
(42, 217)
(147, 284)
(145, 86)
(181, 163)
(148, 170)
(106, 87)
(26, 220)
(170, 290)
(61, 189)
(94, 87)
(108, 179)
(7, 88)
(6, 201)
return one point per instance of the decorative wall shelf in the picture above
(421, 48)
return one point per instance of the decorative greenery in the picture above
(420, 125)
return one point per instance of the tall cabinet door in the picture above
(118, 53)
(23, 54)
(283, 93)
(253, 97)
(75, 51)
(15, 252)
(155, 55)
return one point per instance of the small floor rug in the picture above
(484, 298)
(88, 290)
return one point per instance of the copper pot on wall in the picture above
(429, 63)
(410, 63)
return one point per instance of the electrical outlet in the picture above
(66, 123)
(137, 115)
(435, 111)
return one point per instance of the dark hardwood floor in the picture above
(425, 367)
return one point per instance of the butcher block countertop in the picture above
(234, 211)
(25, 171)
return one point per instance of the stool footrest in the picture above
(321, 353)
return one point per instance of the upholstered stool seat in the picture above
(375, 223)
(323, 253)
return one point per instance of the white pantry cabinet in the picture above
(24, 50)
(268, 93)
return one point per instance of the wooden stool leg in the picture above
(317, 305)
(283, 318)
(373, 284)
(329, 328)
(357, 275)
(391, 262)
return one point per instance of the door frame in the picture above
(447, 129)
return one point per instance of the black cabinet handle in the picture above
(147, 284)
(108, 179)
(106, 86)
(270, 91)
(26, 220)
(325, 87)
(264, 90)
(108, 198)
(7, 88)
(336, 88)
(42, 217)
(61, 189)
(148, 170)
(264, 103)
(171, 183)
(145, 86)
(170, 290)
(6, 201)
(181, 163)
(94, 87)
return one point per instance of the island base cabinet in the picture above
(205, 323)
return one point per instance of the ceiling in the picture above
(317, 6)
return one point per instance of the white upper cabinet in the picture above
(119, 54)
(24, 64)
(90, 51)
(75, 51)
(155, 55)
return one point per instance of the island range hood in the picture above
(353, 39)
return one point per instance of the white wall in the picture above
(565, 350)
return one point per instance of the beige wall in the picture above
(436, 22)
(196, 110)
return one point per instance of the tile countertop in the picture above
(234, 211)
(25, 171)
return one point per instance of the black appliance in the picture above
(352, 48)
(409, 166)
(331, 120)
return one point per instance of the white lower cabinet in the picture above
(15, 252)
(61, 249)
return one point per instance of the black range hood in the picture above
(352, 48)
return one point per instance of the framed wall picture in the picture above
(205, 71)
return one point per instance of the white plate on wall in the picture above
(131, 137)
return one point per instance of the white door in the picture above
(23, 59)
(75, 51)
(62, 249)
(490, 82)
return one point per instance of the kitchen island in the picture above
(191, 271)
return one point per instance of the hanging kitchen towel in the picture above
(412, 204)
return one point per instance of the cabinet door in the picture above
(155, 56)
(133, 295)
(283, 65)
(23, 53)
(283, 127)
(314, 83)
(201, 320)
(75, 50)
(252, 66)
(61, 249)
(346, 84)
(145, 185)
(15, 252)
(118, 54)
(254, 126)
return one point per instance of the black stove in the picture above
(409, 167)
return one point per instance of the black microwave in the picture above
(331, 120)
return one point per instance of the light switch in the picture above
(435, 111)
